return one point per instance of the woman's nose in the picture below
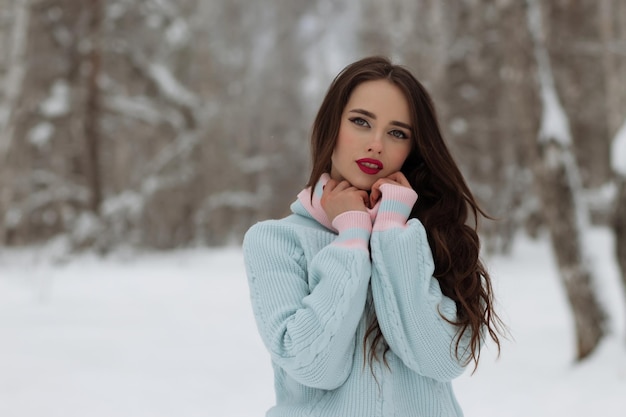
(376, 143)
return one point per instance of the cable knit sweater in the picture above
(315, 286)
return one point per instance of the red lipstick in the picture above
(369, 166)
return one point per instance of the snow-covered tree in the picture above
(560, 188)
(618, 163)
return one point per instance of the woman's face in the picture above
(374, 134)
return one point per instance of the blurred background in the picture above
(164, 124)
(161, 124)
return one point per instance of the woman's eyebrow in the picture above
(364, 112)
(373, 116)
(401, 124)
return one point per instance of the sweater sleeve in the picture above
(408, 299)
(307, 315)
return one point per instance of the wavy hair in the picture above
(444, 204)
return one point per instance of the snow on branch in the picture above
(178, 33)
(57, 104)
(170, 87)
(167, 8)
(554, 135)
(554, 121)
(127, 201)
(141, 108)
(45, 198)
(183, 145)
(166, 83)
(160, 182)
(255, 164)
(618, 151)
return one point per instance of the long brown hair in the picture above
(444, 204)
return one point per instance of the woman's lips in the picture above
(370, 166)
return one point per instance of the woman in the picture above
(369, 299)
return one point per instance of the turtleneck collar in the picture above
(306, 206)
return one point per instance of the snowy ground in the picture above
(172, 334)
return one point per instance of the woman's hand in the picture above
(396, 178)
(339, 197)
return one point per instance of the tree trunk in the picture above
(15, 67)
(92, 108)
(619, 228)
(614, 18)
(613, 75)
(618, 164)
(562, 210)
(560, 188)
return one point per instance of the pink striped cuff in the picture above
(355, 229)
(395, 206)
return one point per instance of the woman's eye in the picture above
(359, 121)
(398, 134)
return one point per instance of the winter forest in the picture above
(151, 126)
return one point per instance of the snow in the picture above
(459, 125)
(114, 11)
(234, 199)
(58, 103)
(171, 87)
(41, 134)
(139, 108)
(554, 121)
(127, 201)
(178, 33)
(86, 226)
(618, 151)
(331, 43)
(46, 197)
(172, 334)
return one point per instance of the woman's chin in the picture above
(363, 185)
(361, 182)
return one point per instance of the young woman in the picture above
(370, 296)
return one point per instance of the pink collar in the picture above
(314, 207)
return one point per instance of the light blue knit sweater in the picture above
(314, 287)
